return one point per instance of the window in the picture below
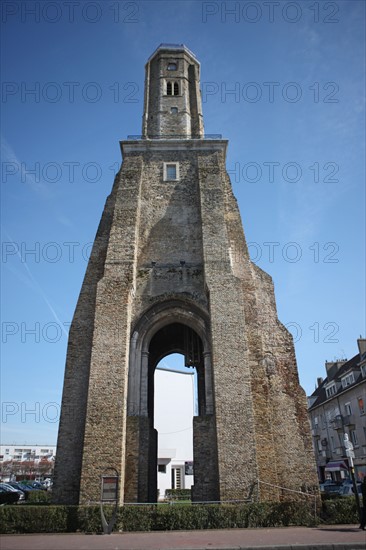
(171, 171)
(354, 438)
(361, 405)
(174, 110)
(172, 66)
(347, 408)
(162, 468)
(315, 421)
(348, 380)
(332, 444)
(172, 88)
(363, 371)
(176, 478)
(319, 445)
(331, 390)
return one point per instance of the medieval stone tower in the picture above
(170, 272)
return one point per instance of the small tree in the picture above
(26, 469)
(6, 469)
(44, 468)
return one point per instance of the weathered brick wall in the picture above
(150, 226)
(234, 408)
(75, 391)
(206, 485)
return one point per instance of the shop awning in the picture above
(335, 466)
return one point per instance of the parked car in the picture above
(33, 484)
(7, 496)
(38, 485)
(347, 490)
(8, 487)
(330, 486)
(47, 483)
(26, 489)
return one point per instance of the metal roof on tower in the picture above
(174, 47)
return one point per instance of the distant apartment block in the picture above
(338, 407)
(26, 461)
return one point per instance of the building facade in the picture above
(170, 272)
(338, 407)
(173, 473)
(26, 461)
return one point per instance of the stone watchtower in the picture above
(170, 272)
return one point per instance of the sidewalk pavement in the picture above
(332, 537)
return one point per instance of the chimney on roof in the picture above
(332, 367)
(361, 342)
(319, 381)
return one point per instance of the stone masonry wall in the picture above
(74, 400)
(180, 240)
(105, 429)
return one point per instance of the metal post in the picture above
(350, 454)
(109, 494)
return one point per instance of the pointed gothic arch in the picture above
(168, 327)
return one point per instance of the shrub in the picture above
(35, 497)
(338, 511)
(34, 519)
(165, 517)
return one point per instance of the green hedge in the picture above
(62, 519)
(35, 497)
(340, 510)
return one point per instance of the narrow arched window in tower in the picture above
(169, 88)
(176, 89)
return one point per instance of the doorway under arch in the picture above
(166, 329)
(175, 405)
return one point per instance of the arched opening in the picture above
(175, 405)
(181, 339)
(173, 338)
(170, 327)
(172, 88)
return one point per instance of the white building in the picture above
(338, 407)
(174, 411)
(14, 459)
(173, 473)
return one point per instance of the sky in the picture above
(284, 82)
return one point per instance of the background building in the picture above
(175, 391)
(26, 461)
(338, 406)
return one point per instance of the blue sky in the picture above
(285, 84)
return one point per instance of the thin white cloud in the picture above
(37, 287)
(9, 156)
